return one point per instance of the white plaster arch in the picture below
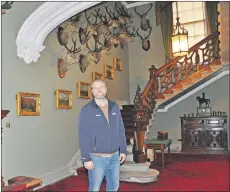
(41, 22)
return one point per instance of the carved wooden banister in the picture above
(162, 81)
(179, 69)
(194, 47)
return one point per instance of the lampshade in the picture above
(180, 44)
(179, 38)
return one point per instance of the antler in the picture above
(107, 42)
(141, 15)
(133, 34)
(108, 12)
(146, 36)
(125, 12)
(96, 49)
(76, 18)
(149, 33)
(139, 34)
(117, 8)
(87, 19)
(97, 15)
(74, 50)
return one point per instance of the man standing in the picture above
(102, 139)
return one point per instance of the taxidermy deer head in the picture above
(92, 57)
(86, 60)
(83, 35)
(68, 29)
(126, 36)
(65, 62)
(124, 17)
(121, 18)
(114, 38)
(107, 45)
(96, 51)
(69, 57)
(113, 19)
(105, 22)
(145, 41)
(145, 23)
(92, 28)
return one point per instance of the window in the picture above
(192, 18)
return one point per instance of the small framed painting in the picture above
(117, 64)
(83, 90)
(108, 72)
(63, 99)
(96, 75)
(28, 104)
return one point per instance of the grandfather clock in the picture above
(3, 114)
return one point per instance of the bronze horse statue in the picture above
(203, 100)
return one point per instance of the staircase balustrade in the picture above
(162, 81)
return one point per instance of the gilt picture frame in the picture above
(117, 64)
(108, 72)
(83, 90)
(96, 75)
(63, 99)
(27, 104)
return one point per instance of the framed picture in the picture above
(28, 104)
(108, 72)
(117, 64)
(83, 90)
(63, 99)
(96, 75)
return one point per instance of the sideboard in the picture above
(206, 133)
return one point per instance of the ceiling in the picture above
(129, 4)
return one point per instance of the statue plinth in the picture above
(204, 111)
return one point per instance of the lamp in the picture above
(179, 38)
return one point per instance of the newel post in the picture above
(152, 71)
(153, 76)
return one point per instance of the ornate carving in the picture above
(41, 22)
(180, 68)
(137, 99)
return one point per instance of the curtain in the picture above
(166, 22)
(212, 22)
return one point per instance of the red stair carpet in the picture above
(184, 173)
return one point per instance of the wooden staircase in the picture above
(188, 82)
(165, 83)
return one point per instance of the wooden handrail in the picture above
(194, 47)
(155, 72)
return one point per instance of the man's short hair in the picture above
(97, 81)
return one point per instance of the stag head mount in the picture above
(6, 6)
(65, 62)
(145, 23)
(145, 40)
(102, 30)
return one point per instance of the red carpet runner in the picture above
(184, 173)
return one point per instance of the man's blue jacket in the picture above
(96, 135)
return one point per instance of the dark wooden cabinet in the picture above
(135, 123)
(207, 133)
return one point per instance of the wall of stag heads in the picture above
(92, 33)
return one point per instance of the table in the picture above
(157, 144)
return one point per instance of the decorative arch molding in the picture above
(41, 22)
